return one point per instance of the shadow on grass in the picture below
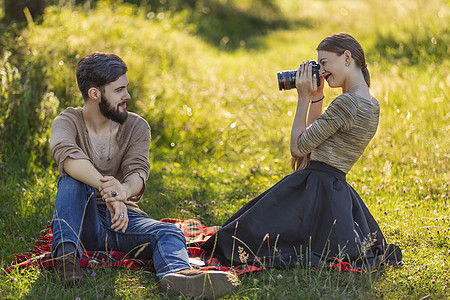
(411, 48)
(97, 283)
(228, 25)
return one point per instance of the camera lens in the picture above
(286, 79)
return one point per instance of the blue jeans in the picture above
(79, 220)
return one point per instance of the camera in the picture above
(286, 79)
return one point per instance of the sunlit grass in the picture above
(220, 131)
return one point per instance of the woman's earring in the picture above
(347, 64)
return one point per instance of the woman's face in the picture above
(332, 67)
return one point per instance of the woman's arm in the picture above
(315, 111)
(340, 114)
(307, 91)
(299, 124)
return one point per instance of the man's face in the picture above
(113, 104)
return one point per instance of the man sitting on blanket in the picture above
(102, 154)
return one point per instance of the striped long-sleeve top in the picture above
(340, 135)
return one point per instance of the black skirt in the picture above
(311, 217)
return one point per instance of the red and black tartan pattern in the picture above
(195, 234)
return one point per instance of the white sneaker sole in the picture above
(209, 285)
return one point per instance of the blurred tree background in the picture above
(201, 46)
(203, 74)
(186, 58)
(32, 97)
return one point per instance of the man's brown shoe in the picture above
(195, 283)
(68, 268)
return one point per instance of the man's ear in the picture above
(94, 93)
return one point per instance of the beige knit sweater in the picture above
(70, 138)
(340, 135)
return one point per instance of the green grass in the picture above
(220, 129)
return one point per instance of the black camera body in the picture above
(286, 79)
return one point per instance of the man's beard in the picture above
(111, 112)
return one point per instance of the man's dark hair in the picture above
(97, 70)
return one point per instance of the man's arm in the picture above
(83, 170)
(134, 183)
(132, 186)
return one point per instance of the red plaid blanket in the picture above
(195, 234)
(194, 231)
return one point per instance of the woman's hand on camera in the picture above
(306, 83)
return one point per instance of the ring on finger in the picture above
(113, 193)
(121, 214)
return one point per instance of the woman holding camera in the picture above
(313, 216)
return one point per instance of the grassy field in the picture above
(203, 73)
